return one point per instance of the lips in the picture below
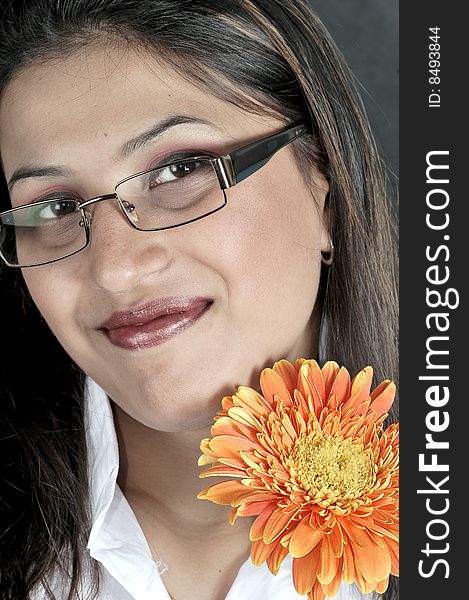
(155, 322)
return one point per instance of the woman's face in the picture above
(252, 268)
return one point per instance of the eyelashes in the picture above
(57, 194)
(181, 155)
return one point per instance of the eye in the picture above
(56, 209)
(183, 169)
(173, 172)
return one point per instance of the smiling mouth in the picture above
(154, 323)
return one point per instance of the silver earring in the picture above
(327, 256)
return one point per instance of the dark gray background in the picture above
(367, 33)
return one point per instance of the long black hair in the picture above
(266, 56)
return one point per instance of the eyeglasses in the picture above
(171, 195)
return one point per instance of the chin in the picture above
(184, 400)
(174, 413)
(176, 425)
(177, 422)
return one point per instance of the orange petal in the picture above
(233, 515)
(298, 364)
(384, 531)
(341, 385)
(261, 551)
(244, 416)
(330, 371)
(207, 452)
(248, 432)
(298, 422)
(374, 562)
(224, 426)
(276, 558)
(361, 385)
(317, 593)
(328, 563)
(394, 552)
(248, 398)
(205, 460)
(223, 493)
(289, 428)
(316, 379)
(227, 402)
(382, 586)
(348, 573)
(237, 463)
(302, 405)
(365, 586)
(230, 446)
(304, 571)
(336, 541)
(277, 523)
(382, 402)
(257, 528)
(331, 589)
(333, 402)
(254, 496)
(251, 509)
(250, 460)
(311, 385)
(272, 384)
(379, 388)
(304, 538)
(229, 426)
(355, 534)
(288, 373)
(223, 471)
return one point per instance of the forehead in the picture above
(101, 92)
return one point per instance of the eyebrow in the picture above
(30, 171)
(157, 130)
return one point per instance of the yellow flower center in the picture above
(333, 465)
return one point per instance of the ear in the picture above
(326, 220)
(322, 194)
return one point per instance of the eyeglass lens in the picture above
(161, 198)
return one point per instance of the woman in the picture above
(281, 249)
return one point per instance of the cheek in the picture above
(41, 288)
(269, 256)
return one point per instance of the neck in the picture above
(158, 475)
(159, 469)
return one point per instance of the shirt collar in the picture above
(103, 454)
(116, 539)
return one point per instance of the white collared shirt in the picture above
(129, 572)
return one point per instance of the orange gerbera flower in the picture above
(316, 466)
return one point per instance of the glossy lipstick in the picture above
(155, 322)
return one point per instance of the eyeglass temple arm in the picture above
(241, 163)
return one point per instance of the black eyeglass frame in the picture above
(230, 169)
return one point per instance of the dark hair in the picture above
(267, 56)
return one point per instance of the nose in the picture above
(123, 258)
